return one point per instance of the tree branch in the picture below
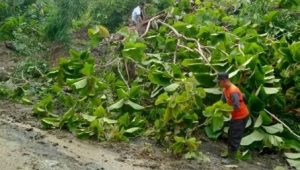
(288, 128)
(122, 75)
(199, 46)
(149, 23)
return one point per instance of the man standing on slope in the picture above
(138, 14)
(239, 116)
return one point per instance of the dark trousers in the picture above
(235, 133)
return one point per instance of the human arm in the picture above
(235, 101)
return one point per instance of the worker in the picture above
(138, 14)
(239, 116)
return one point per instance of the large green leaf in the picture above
(217, 123)
(258, 122)
(292, 155)
(89, 117)
(255, 104)
(205, 79)
(167, 115)
(273, 140)
(295, 49)
(52, 121)
(216, 91)
(253, 137)
(117, 105)
(134, 105)
(159, 77)
(271, 90)
(134, 50)
(210, 133)
(132, 130)
(162, 99)
(109, 121)
(294, 163)
(80, 84)
(277, 128)
(172, 87)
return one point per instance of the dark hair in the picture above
(142, 4)
(222, 76)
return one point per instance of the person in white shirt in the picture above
(137, 14)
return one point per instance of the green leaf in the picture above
(51, 121)
(253, 137)
(109, 121)
(99, 112)
(124, 120)
(88, 69)
(134, 50)
(277, 128)
(167, 115)
(80, 84)
(132, 130)
(217, 123)
(211, 134)
(205, 79)
(294, 163)
(179, 139)
(267, 119)
(134, 91)
(159, 77)
(200, 92)
(271, 90)
(161, 99)
(258, 122)
(134, 105)
(117, 105)
(89, 118)
(273, 140)
(292, 155)
(255, 104)
(295, 49)
(172, 87)
(216, 91)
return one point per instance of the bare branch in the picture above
(149, 23)
(288, 128)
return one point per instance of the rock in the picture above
(4, 75)
(51, 163)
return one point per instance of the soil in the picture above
(24, 144)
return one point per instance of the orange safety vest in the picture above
(242, 112)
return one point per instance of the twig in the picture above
(108, 64)
(175, 53)
(288, 128)
(240, 49)
(188, 48)
(217, 49)
(199, 46)
(126, 69)
(122, 76)
(149, 23)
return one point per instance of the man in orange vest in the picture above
(239, 116)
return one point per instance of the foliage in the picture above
(175, 91)
(60, 21)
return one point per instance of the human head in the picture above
(223, 79)
(142, 4)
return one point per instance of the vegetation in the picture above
(173, 96)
